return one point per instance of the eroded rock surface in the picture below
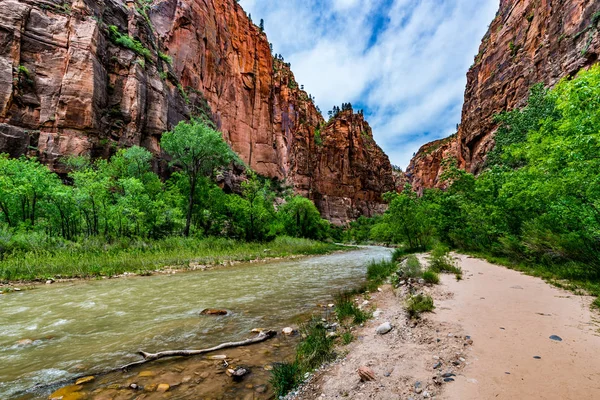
(529, 41)
(69, 87)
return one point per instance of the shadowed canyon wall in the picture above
(529, 41)
(86, 77)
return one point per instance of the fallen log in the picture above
(148, 357)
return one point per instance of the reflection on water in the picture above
(63, 330)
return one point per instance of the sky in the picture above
(404, 62)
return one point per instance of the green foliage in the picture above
(285, 377)
(431, 277)
(300, 218)
(318, 138)
(198, 150)
(410, 268)
(536, 205)
(416, 305)
(346, 309)
(378, 271)
(317, 347)
(128, 42)
(441, 260)
(166, 58)
(347, 338)
(23, 70)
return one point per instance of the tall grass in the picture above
(346, 309)
(378, 271)
(440, 260)
(93, 258)
(416, 305)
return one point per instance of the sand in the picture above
(486, 330)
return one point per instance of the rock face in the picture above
(86, 77)
(529, 41)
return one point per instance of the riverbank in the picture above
(96, 260)
(490, 335)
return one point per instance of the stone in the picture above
(383, 328)
(366, 374)
(437, 365)
(237, 373)
(537, 357)
(287, 331)
(163, 387)
(71, 392)
(217, 357)
(146, 374)
(556, 338)
(261, 389)
(134, 386)
(150, 388)
(24, 342)
(214, 311)
(83, 380)
(377, 313)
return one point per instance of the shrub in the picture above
(166, 58)
(596, 303)
(419, 304)
(346, 308)
(410, 268)
(285, 377)
(128, 42)
(431, 277)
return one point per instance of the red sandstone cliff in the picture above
(529, 41)
(68, 86)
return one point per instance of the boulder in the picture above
(214, 311)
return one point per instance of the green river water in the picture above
(59, 331)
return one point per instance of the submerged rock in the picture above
(214, 311)
(83, 380)
(287, 331)
(237, 373)
(163, 387)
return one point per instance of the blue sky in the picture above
(403, 61)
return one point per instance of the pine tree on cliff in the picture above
(261, 26)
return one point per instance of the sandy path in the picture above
(530, 311)
(510, 318)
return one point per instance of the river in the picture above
(59, 331)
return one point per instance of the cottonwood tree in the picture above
(199, 151)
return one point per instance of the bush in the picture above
(410, 268)
(345, 309)
(285, 377)
(431, 277)
(419, 304)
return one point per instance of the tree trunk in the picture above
(188, 218)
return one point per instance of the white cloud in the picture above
(404, 61)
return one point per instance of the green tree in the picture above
(198, 150)
(301, 218)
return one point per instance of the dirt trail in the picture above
(488, 329)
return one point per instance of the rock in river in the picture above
(214, 311)
(384, 328)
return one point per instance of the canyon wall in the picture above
(87, 77)
(529, 41)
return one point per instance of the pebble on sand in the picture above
(384, 328)
(556, 338)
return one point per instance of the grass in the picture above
(316, 348)
(441, 261)
(346, 309)
(378, 271)
(431, 277)
(285, 377)
(416, 305)
(347, 338)
(95, 258)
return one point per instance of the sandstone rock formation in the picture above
(529, 41)
(85, 77)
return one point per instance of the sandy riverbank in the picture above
(492, 331)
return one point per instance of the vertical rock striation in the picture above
(529, 41)
(86, 77)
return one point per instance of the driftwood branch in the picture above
(266, 335)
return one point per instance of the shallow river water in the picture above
(59, 331)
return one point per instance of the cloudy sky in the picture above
(403, 61)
